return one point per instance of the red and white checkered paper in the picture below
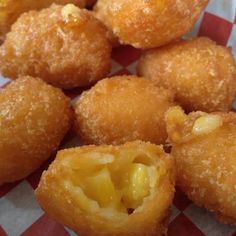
(20, 214)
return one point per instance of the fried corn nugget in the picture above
(64, 45)
(204, 146)
(110, 190)
(121, 109)
(10, 10)
(151, 23)
(201, 73)
(34, 118)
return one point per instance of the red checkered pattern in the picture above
(20, 214)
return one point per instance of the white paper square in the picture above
(207, 222)
(19, 209)
(132, 68)
(115, 67)
(3, 81)
(223, 8)
(232, 41)
(195, 30)
(174, 213)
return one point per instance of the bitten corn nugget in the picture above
(110, 190)
(204, 147)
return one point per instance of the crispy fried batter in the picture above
(10, 10)
(110, 190)
(201, 73)
(150, 23)
(64, 45)
(204, 146)
(121, 109)
(34, 118)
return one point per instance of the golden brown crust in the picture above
(151, 23)
(121, 109)
(60, 202)
(202, 73)
(110, 35)
(64, 49)
(206, 160)
(34, 118)
(10, 10)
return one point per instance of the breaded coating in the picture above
(34, 117)
(201, 73)
(149, 23)
(121, 109)
(10, 10)
(64, 45)
(110, 190)
(204, 147)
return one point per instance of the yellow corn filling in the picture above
(101, 188)
(206, 124)
(123, 191)
(136, 185)
(176, 114)
(70, 12)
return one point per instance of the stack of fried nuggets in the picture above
(125, 184)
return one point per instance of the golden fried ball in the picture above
(34, 117)
(64, 45)
(150, 23)
(110, 190)
(201, 73)
(121, 109)
(204, 146)
(10, 10)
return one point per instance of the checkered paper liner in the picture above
(20, 214)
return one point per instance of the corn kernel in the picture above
(153, 176)
(101, 189)
(206, 124)
(176, 114)
(70, 12)
(99, 158)
(84, 202)
(81, 199)
(137, 185)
